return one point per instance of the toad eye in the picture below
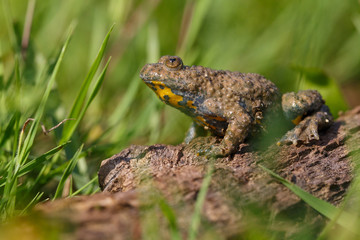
(172, 62)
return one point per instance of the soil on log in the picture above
(144, 186)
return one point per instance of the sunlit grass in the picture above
(21, 162)
(24, 145)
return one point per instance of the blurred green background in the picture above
(296, 44)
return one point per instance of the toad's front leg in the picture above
(239, 124)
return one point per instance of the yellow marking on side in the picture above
(173, 98)
(202, 120)
(217, 118)
(190, 104)
(297, 120)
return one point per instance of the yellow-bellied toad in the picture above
(232, 104)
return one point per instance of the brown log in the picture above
(140, 179)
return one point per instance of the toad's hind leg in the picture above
(307, 110)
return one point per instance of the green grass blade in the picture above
(32, 132)
(80, 99)
(81, 114)
(196, 217)
(343, 218)
(78, 111)
(126, 104)
(23, 149)
(171, 217)
(39, 160)
(84, 187)
(35, 162)
(70, 167)
(199, 12)
(97, 86)
(10, 26)
(7, 205)
(32, 202)
(6, 134)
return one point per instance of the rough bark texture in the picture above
(141, 181)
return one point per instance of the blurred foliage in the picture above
(297, 44)
(248, 36)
